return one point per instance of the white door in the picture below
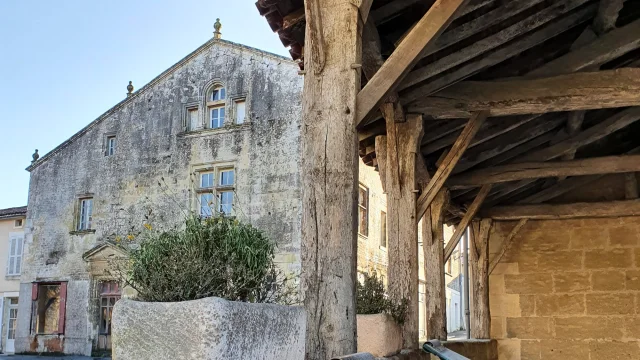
(11, 326)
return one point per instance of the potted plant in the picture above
(208, 290)
(378, 318)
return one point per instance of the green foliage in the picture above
(371, 299)
(208, 257)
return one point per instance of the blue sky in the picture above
(65, 62)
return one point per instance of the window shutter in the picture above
(34, 291)
(63, 306)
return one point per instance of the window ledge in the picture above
(12, 277)
(362, 237)
(221, 130)
(82, 232)
(383, 248)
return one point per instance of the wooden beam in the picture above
(365, 8)
(466, 220)
(450, 161)
(579, 91)
(605, 48)
(559, 188)
(329, 178)
(489, 130)
(405, 56)
(630, 186)
(433, 245)
(535, 170)
(393, 8)
(612, 124)
(508, 143)
(506, 245)
(607, 15)
(564, 211)
(491, 42)
(481, 314)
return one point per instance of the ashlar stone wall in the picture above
(567, 289)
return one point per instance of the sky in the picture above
(63, 63)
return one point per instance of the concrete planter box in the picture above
(379, 335)
(208, 329)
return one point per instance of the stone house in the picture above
(216, 132)
(12, 221)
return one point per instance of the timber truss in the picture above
(490, 109)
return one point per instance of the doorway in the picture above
(11, 325)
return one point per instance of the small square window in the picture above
(240, 111)
(206, 179)
(17, 223)
(85, 214)
(111, 145)
(226, 177)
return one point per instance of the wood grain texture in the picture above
(487, 44)
(433, 247)
(579, 91)
(564, 211)
(461, 228)
(506, 245)
(381, 155)
(535, 170)
(405, 56)
(499, 55)
(607, 15)
(329, 178)
(449, 162)
(630, 186)
(481, 313)
(402, 226)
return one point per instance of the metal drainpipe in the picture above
(467, 312)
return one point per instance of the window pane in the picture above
(383, 229)
(240, 112)
(227, 178)
(206, 203)
(362, 221)
(89, 212)
(218, 94)
(206, 180)
(226, 202)
(217, 117)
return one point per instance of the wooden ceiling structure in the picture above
(508, 57)
(517, 103)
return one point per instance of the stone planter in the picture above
(208, 329)
(379, 335)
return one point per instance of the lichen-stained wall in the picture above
(152, 168)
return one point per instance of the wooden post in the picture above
(330, 177)
(479, 250)
(402, 226)
(433, 246)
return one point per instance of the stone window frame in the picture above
(193, 105)
(235, 99)
(210, 104)
(216, 189)
(77, 213)
(18, 223)
(364, 208)
(105, 143)
(35, 289)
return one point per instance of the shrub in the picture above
(217, 256)
(371, 299)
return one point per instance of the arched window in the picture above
(216, 106)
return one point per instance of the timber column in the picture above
(397, 156)
(330, 177)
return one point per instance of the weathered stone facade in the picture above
(153, 171)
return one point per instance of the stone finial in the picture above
(217, 26)
(129, 89)
(35, 156)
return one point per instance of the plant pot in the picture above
(379, 335)
(208, 329)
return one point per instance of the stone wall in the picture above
(152, 173)
(568, 289)
(372, 256)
